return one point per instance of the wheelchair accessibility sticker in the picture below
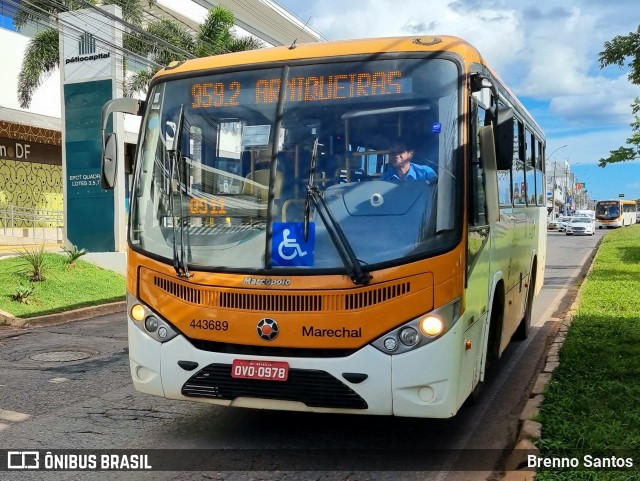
(288, 247)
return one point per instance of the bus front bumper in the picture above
(413, 384)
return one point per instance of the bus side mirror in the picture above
(504, 138)
(109, 162)
(109, 142)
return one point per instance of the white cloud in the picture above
(544, 51)
(492, 29)
(608, 103)
(586, 147)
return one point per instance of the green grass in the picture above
(65, 287)
(592, 404)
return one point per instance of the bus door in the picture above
(478, 273)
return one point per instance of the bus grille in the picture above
(276, 302)
(187, 293)
(248, 350)
(312, 387)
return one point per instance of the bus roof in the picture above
(434, 43)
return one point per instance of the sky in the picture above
(545, 51)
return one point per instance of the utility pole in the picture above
(553, 193)
(564, 189)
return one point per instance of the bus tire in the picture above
(475, 394)
(522, 332)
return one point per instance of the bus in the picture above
(312, 281)
(616, 213)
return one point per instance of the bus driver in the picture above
(401, 166)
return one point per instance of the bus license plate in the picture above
(262, 370)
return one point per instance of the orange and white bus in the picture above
(315, 280)
(616, 213)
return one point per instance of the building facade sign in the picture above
(13, 149)
(85, 56)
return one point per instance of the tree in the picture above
(214, 37)
(616, 52)
(42, 56)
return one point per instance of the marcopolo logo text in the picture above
(266, 282)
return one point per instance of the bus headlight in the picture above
(419, 331)
(137, 312)
(390, 343)
(409, 336)
(431, 325)
(149, 321)
(151, 324)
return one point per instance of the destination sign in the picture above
(311, 88)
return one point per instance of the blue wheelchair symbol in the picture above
(288, 247)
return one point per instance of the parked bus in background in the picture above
(615, 213)
(317, 280)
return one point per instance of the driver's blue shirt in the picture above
(416, 172)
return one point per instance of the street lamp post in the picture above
(553, 185)
(561, 147)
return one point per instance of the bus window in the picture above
(518, 170)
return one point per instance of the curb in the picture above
(530, 431)
(62, 317)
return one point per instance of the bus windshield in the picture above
(289, 167)
(607, 210)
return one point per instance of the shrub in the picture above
(74, 254)
(36, 263)
(23, 294)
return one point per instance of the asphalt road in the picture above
(87, 401)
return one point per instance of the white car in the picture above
(580, 226)
(562, 222)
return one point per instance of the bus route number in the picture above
(210, 325)
(203, 207)
(215, 94)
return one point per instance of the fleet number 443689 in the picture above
(210, 324)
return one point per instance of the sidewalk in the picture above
(15, 249)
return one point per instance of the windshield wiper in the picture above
(175, 156)
(312, 174)
(315, 194)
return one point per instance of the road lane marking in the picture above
(13, 416)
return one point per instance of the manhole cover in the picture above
(60, 356)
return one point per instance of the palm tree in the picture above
(42, 56)
(214, 37)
